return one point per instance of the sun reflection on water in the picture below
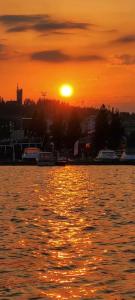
(62, 235)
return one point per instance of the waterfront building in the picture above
(19, 95)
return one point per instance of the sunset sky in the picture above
(87, 43)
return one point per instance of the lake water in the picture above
(67, 233)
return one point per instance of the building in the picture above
(129, 125)
(4, 128)
(88, 125)
(82, 147)
(19, 95)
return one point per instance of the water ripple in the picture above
(67, 233)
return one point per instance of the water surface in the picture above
(67, 233)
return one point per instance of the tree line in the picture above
(109, 131)
(65, 121)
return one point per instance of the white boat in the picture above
(46, 159)
(106, 156)
(30, 154)
(127, 157)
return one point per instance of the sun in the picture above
(66, 90)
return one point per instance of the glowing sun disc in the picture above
(66, 90)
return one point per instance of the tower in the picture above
(19, 95)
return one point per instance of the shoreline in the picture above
(73, 163)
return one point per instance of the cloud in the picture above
(39, 23)
(20, 28)
(57, 56)
(125, 59)
(54, 25)
(90, 58)
(23, 19)
(50, 56)
(125, 39)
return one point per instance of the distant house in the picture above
(82, 147)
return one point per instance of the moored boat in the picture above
(127, 158)
(30, 154)
(46, 159)
(107, 156)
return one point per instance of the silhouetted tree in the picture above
(73, 129)
(39, 126)
(100, 139)
(116, 131)
(58, 129)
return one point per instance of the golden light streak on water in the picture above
(67, 233)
